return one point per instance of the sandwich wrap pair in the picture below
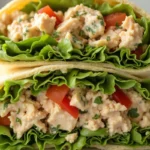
(36, 63)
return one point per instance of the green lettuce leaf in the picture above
(34, 139)
(47, 49)
(97, 81)
(64, 4)
(88, 133)
(32, 6)
(107, 9)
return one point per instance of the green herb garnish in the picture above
(6, 104)
(55, 129)
(108, 38)
(18, 120)
(89, 29)
(98, 100)
(77, 14)
(26, 30)
(133, 113)
(96, 116)
(55, 34)
(83, 112)
(99, 17)
(118, 26)
(102, 22)
(81, 33)
(18, 111)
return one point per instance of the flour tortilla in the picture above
(22, 70)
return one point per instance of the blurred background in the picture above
(141, 3)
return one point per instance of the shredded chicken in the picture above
(24, 115)
(97, 110)
(71, 137)
(33, 25)
(132, 34)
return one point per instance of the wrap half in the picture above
(123, 44)
(74, 75)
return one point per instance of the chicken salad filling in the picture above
(81, 108)
(80, 24)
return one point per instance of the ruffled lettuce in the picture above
(97, 81)
(34, 139)
(64, 4)
(32, 6)
(47, 48)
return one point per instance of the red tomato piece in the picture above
(5, 121)
(120, 97)
(57, 93)
(51, 13)
(70, 109)
(138, 52)
(114, 19)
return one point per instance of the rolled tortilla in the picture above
(15, 71)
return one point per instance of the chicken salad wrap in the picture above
(117, 34)
(73, 108)
(74, 75)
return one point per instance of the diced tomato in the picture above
(70, 109)
(57, 93)
(114, 19)
(51, 13)
(138, 52)
(120, 97)
(5, 121)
